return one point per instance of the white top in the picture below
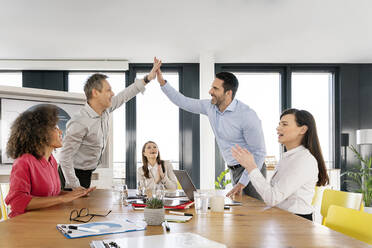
(169, 181)
(293, 185)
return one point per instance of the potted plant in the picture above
(221, 182)
(154, 212)
(362, 176)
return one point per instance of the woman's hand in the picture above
(244, 157)
(76, 193)
(160, 172)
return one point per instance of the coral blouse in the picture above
(31, 177)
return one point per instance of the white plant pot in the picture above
(154, 216)
(368, 210)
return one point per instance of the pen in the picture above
(180, 213)
(167, 228)
(189, 205)
(83, 229)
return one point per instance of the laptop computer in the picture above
(189, 187)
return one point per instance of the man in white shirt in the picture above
(87, 133)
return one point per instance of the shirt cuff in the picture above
(165, 87)
(244, 179)
(255, 174)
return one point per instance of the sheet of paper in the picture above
(179, 240)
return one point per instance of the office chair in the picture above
(351, 222)
(340, 198)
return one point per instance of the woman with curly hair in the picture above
(154, 170)
(34, 180)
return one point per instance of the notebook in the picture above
(179, 240)
(168, 204)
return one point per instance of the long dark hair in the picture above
(145, 162)
(310, 141)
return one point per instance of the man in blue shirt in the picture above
(232, 122)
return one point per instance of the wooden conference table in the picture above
(249, 225)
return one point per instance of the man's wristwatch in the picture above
(146, 79)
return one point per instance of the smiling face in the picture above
(104, 96)
(55, 137)
(150, 151)
(289, 133)
(218, 93)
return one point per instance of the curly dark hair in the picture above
(30, 132)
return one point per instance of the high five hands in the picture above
(156, 72)
(155, 68)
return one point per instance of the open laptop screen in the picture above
(186, 183)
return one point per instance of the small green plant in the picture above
(221, 182)
(154, 203)
(362, 175)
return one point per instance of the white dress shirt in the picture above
(87, 134)
(293, 185)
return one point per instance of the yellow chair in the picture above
(354, 223)
(317, 198)
(179, 185)
(340, 198)
(4, 189)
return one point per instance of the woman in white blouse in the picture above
(301, 168)
(154, 170)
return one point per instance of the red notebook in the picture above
(180, 206)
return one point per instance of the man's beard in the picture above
(217, 102)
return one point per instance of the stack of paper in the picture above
(179, 240)
(177, 218)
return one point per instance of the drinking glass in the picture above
(201, 202)
(159, 191)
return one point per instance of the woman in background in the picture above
(34, 179)
(301, 168)
(154, 170)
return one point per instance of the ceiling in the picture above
(252, 31)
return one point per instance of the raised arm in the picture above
(192, 105)
(136, 87)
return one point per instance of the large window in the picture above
(313, 92)
(76, 81)
(158, 120)
(11, 79)
(260, 91)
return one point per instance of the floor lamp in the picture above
(344, 145)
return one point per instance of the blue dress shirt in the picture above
(238, 124)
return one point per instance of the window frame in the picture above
(188, 122)
(285, 95)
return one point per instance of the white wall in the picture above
(207, 145)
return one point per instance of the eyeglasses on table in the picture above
(84, 216)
